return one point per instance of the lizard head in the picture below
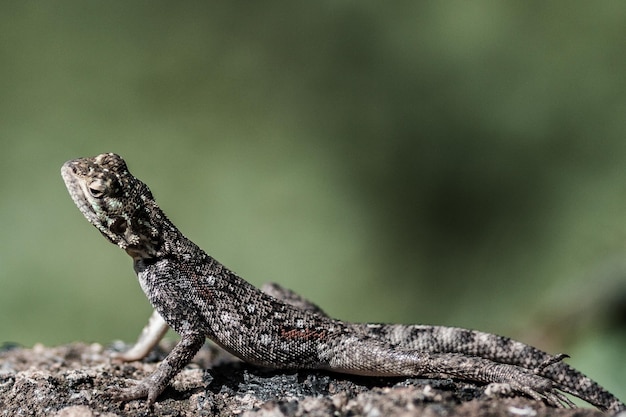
(114, 201)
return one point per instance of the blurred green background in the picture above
(457, 163)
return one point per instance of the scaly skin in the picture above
(198, 297)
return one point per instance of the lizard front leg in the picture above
(156, 383)
(155, 329)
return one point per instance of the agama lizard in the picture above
(200, 298)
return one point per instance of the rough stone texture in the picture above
(69, 381)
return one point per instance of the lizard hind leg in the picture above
(370, 357)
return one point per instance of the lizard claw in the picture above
(550, 396)
(558, 399)
(549, 362)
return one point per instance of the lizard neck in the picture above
(147, 232)
(154, 237)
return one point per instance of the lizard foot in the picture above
(535, 387)
(551, 395)
(141, 389)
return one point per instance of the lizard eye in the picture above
(96, 189)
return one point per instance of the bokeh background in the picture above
(457, 163)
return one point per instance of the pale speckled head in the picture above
(112, 199)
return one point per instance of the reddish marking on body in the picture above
(205, 293)
(306, 334)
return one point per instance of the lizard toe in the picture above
(140, 390)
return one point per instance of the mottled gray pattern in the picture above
(199, 297)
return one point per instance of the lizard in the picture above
(200, 298)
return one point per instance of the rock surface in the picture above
(69, 381)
